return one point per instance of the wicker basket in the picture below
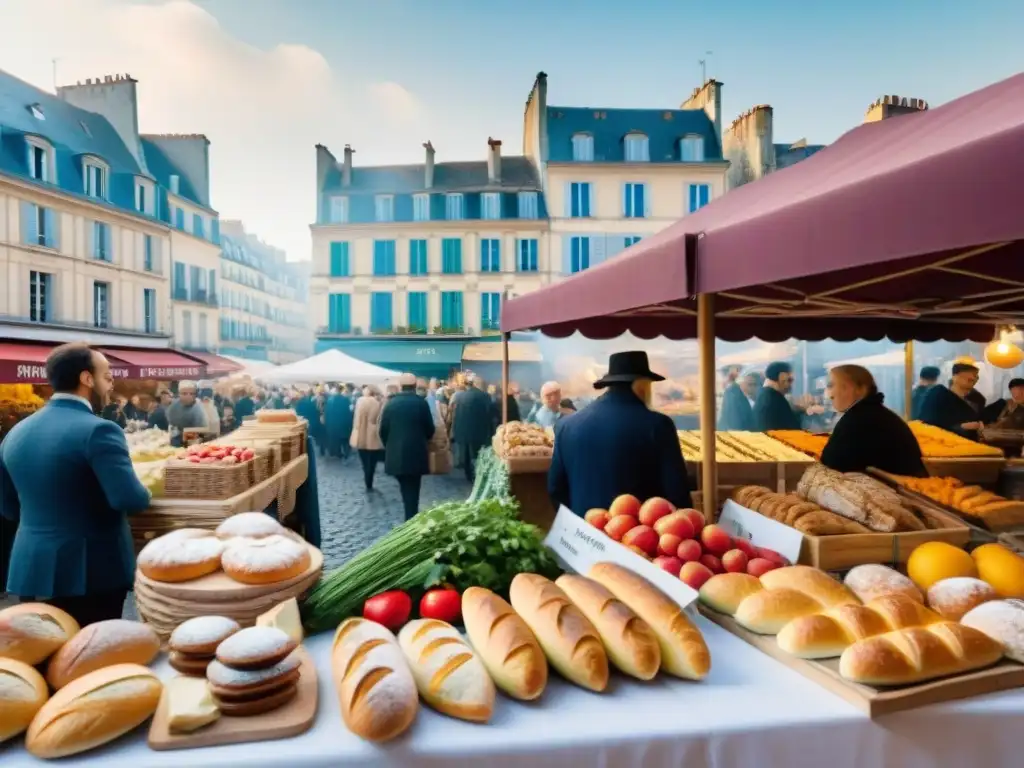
(186, 480)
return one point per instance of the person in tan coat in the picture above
(365, 433)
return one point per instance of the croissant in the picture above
(829, 633)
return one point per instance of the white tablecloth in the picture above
(750, 711)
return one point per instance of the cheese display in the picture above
(935, 443)
(739, 446)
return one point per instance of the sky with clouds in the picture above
(266, 80)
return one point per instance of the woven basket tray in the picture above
(186, 480)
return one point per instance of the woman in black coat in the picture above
(868, 434)
(406, 426)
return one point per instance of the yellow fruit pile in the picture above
(805, 442)
(19, 397)
(739, 447)
(994, 564)
(939, 444)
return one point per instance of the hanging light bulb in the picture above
(1004, 355)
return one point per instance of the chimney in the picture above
(175, 182)
(493, 161)
(893, 106)
(428, 168)
(114, 97)
(346, 168)
(189, 156)
(709, 98)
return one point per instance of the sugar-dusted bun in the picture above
(93, 710)
(22, 693)
(99, 645)
(181, 555)
(223, 677)
(255, 648)
(202, 635)
(265, 561)
(868, 582)
(31, 632)
(1003, 621)
(952, 598)
(250, 525)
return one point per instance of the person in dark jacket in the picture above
(66, 477)
(926, 379)
(618, 445)
(338, 424)
(406, 427)
(114, 411)
(158, 416)
(474, 424)
(1007, 414)
(513, 408)
(306, 407)
(949, 409)
(244, 406)
(737, 412)
(771, 409)
(868, 434)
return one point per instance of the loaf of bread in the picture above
(22, 693)
(99, 645)
(1003, 621)
(569, 640)
(796, 512)
(630, 642)
(917, 654)
(952, 598)
(683, 650)
(93, 710)
(449, 675)
(32, 632)
(375, 686)
(859, 498)
(827, 634)
(869, 582)
(505, 644)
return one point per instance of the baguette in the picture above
(683, 650)
(22, 693)
(569, 640)
(630, 642)
(99, 645)
(917, 654)
(506, 644)
(376, 689)
(449, 676)
(32, 632)
(93, 710)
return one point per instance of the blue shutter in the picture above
(567, 254)
(598, 252)
(93, 252)
(52, 232)
(48, 299)
(568, 199)
(29, 224)
(627, 199)
(692, 198)
(215, 230)
(108, 250)
(647, 199)
(458, 310)
(485, 307)
(496, 255)
(392, 245)
(212, 287)
(534, 256)
(591, 199)
(705, 194)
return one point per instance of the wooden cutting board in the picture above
(294, 718)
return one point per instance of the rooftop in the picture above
(517, 173)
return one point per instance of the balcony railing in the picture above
(206, 298)
(87, 325)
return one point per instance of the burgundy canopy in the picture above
(907, 228)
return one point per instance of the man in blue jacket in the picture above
(618, 445)
(66, 477)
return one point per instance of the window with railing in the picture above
(490, 255)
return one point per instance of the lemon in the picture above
(937, 560)
(1001, 568)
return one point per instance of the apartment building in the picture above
(264, 300)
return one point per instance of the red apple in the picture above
(655, 509)
(642, 536)
(696, 519)
(675, 523)
(617, 527)
(760, 566)
(668, 543)
(694, 575)
(735, 561)
(625, 505)
(715, 540)
(597, 518)
(689, 550)
(670, 564)
(744, 546)
(771, 554)
(637, 550)
(712, 563)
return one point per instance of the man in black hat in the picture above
(617, 445)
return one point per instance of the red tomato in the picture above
(392, 609)
(441, 604)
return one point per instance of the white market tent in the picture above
(330, 366)
(251, 368)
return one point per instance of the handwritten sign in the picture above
(760, 530)
(580, 545)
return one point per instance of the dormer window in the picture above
(145, 196)
(637, 148)
(691, 149)
(40, 160)
(95, 174)
(583, 147)
(36, 110)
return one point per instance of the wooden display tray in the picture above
(764, 473)
(294, 718)
(876, 702)
(527, 465)
(973, 471)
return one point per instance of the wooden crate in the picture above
(976, 471)
(790, 473)
(873, 701)
(737, 473)
(528, 465)
(187, 480)
(531, 491)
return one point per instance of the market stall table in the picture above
(751, 710)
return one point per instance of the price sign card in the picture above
(579, 545)
(760, 530)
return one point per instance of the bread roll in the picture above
(31, 632)
(724, 592)
(1003, 621)
(99, 645)
(569, 640)
(683, 650)
(93, 710)
(768, 611)
(952, 598)
(268, 560)
(505, 643)
(181, 555)
(869, 582)
(918, 654)
(376, 689)
(449, 676)
(812, 582)
(22, 692)
(630, 642)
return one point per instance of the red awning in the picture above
(156, 364)
(26, 363)
(215, 364)
(905, 228)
